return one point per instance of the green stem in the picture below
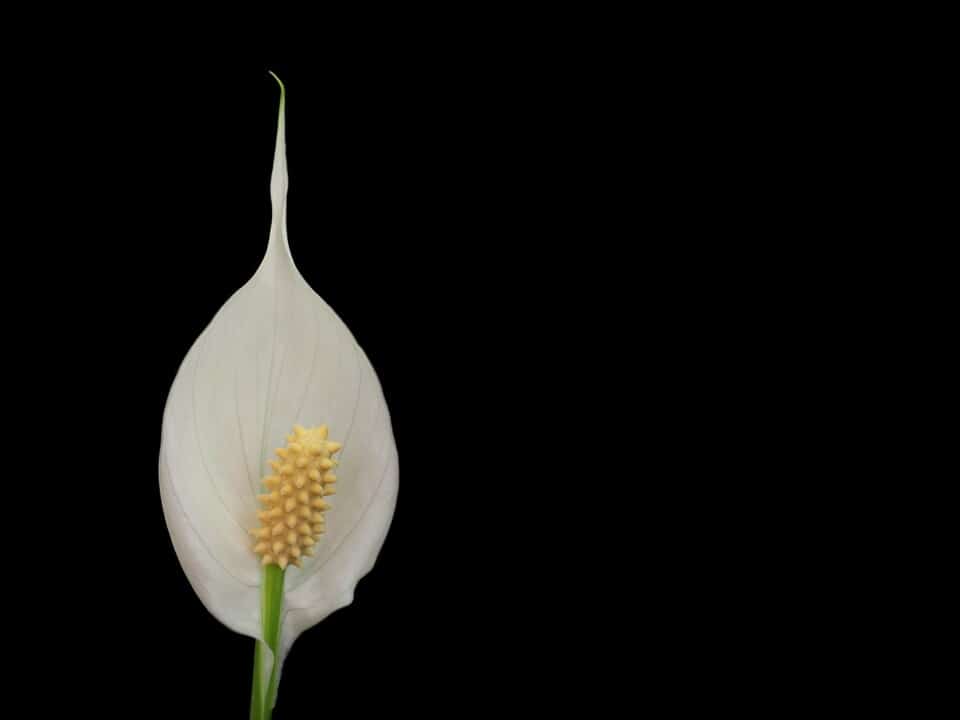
(262, 698)
(256, 696)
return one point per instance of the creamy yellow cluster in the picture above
(293, 520)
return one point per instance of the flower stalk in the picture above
(264, 695)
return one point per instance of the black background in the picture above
(427, 205)
(534, 227)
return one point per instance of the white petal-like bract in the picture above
(275, 355)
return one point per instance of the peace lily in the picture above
(278, 468)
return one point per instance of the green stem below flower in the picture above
(263, 698)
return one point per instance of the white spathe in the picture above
(275, 355)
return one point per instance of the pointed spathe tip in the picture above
(283, 89)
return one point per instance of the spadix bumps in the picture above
(292, 520)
